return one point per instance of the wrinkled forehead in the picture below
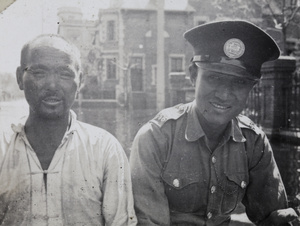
(53, 44)
(56, 43)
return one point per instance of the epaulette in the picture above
(174, 113)
(245, 122)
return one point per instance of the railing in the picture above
(253, 106)
(256, 106)
(274, 104)
(292, 93)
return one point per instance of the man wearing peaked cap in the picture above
(236, 48)
(193, 163)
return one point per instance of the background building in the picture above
(119, 50)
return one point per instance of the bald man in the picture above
(56, 170)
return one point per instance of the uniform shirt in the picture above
(88, 181)
(178, 180)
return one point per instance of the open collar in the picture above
(194, 130)
(19, 126)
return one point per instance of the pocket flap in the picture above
(241, 179)
(179, 180)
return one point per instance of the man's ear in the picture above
(193, 79)
(19, 75)
(193, 74)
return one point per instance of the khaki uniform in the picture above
(178, 180)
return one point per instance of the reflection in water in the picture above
(122, 123)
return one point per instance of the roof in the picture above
(170, 5)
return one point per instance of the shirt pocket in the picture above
(233, 189)
(183, 191)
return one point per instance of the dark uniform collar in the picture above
(194, 130)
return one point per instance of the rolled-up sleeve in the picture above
(266, 191)
(146, 161)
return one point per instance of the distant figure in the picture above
(193, 163)
(55, 170)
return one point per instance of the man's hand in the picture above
(280, 217)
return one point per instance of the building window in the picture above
(111, 35)
(199, 20)
(176, 64)
(136, 74)
(111, 69)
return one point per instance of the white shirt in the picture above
(88, 180)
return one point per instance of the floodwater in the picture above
(120, 122)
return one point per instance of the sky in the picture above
(25, 19)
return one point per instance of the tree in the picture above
(288, 16)
(280, 15)
(249, 10)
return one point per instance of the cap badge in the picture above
(234, 48)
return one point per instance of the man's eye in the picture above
(67, 75)
(38, 73)
(214, 78)
(239, 81)
(243, 82)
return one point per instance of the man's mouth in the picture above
(51, 100)
(219, 106)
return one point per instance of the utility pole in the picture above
(160, 76)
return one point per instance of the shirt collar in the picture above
(18, 127)
(73, 122)
(235, 131)
(194, 130)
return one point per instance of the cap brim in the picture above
(228, 70)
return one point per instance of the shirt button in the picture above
(213, 189)
(209, 215)
(243, 184)
(176, 183)
(213, 159)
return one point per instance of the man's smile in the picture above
(219, 106)
(52, 100)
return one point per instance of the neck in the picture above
(49, 127)
(45, 136)
(212, 131)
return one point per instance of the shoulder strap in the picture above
(169, 113)
(247, 123)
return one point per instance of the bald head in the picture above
(50, 76)
(50, 41)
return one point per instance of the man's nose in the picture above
(52, 80)
(224, 91)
